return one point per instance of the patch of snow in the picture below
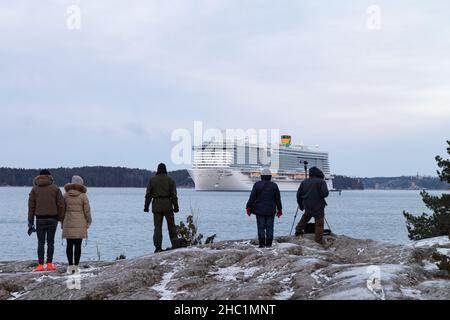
(267, 276)
(249, 272)
(286, 245)
(304, 262)
(444, 251)
(87, 275)
(286, 280)
(284, 295)
(411, 293)
(430, 266)
(43, 277)
(88, 270)
(438, 241)
(227, 274)
(17, 295)
(435, 284)
(360, 251)
(189, 249)
(161, 288)
(369, 278)
(319, 277)
(386, 272)
(245, 242)
(230, 273)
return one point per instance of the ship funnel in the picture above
(286, 140)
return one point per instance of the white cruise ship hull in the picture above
(234, 180)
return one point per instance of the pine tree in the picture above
(438, 223)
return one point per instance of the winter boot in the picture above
(262, 242)
(76, 270)
(51, 266)
(70, 270)
(39, 268)
(158, 250)
(269, 243)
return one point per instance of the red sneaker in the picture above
(51, 266)
(39, 268)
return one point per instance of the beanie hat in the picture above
(77, 180)
(266, 172)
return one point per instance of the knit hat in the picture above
(266, 172)
(78, 180)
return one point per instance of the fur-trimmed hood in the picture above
(78, 188)
(43, 181)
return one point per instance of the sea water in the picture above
(120, 225)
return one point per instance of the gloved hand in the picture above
(279, 214)
(249, 212)
(176, 210)
(31, 229)
(146, 210)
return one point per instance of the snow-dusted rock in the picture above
(295, 268)
(436, 242)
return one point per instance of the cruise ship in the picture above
(236, 165)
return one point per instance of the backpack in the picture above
(311, 229)
(179, 243)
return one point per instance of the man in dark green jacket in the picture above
(162, 190)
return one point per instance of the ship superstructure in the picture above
(236, 165)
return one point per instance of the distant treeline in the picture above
(431, 183)
(118, 177)
(389, 183)
(347, 183)
(93, 177)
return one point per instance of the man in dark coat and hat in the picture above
(162, 193)
(311, 199)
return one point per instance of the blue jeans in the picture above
(265, 226)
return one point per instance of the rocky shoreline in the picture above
(295, 268)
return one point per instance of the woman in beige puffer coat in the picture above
(76, 220)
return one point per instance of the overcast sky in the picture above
(112, 92)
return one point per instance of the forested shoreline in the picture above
(120, 177)
(97, 177)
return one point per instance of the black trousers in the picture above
(45, 230)
(71, 245)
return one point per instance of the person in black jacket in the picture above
(265, 203)
(311, 199)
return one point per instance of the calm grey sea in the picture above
(121, 227)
